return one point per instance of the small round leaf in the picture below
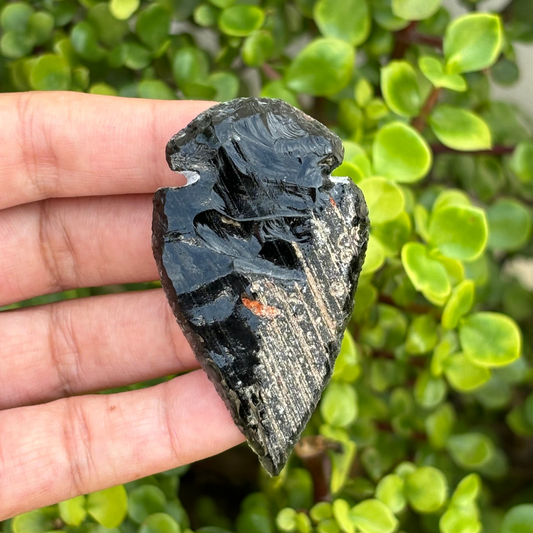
(522, 161)
(124, 9)
(160, 523)
(373, 516)
(426, 489)
(108, 507)
(322, 68)
(471, 450)
(339, 404)
(490, 339)
(399, 87)
(348, 20)
(240, 21)
(400, 153)
(384, 198)
(472, 42)
(50, 73)
(415, 9)
(463, 375)
(390, 491)
(518, 520)
(73, 511)
(459, 304)
(509, 225)
(459, 232)
(460, 129)
(433, 70)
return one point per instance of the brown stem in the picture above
(270, 72)
(403, 40)
(411, 308)
(313, 451)
(419, 123)
(429, 40)
(495, 150)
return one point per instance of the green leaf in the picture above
(50, 73)
(109, 30)
(460, 520)
(459, 304)
(160, 523)
(144, 501)
(278, 89)
(355, 154)
(383, 15)
(286, 520)
(463, 375)
(433, 70)
(124, 9)
(14, 45)
(257, 48)
(341, 512)
(426, 274)
(429, 391)
(490, 339)
(156, 89)
(153, 24)
(85, 42)
(190, 65)
(375, 256)
(460, 129)
(226, 85)
(471, 450)
(73, 511)
(472, 42)
(328, 526)
(240, 21)
(450, 197)
(467, 490)
(108, 507)
(322, 68)
(137, 56)
(364, 92)
(421, 335)
(399, 87)
(373, 516)
(390, 491)
(41, 26)
(426, 489)
(16, 17)
(415, 9)
(348, 20)
(439, 426)
(38, 521)
(509, 225)
(347, 364)
(459, 232)
(222, 4)
(518, 520)
(384, 198)
(522, 161)
(320, 511)
(400, 153)
(205, 15)
(339, 404)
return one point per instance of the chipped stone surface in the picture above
(259, 255)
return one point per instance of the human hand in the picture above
(77, 175)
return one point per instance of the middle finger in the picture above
(59, 244)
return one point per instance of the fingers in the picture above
(61, 244)
(58, 144)
(74, 446)
(90, 344)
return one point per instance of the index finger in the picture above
(61, 144)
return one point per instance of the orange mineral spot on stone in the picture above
(332, 201)
(259, 309)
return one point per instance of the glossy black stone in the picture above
(259, 256)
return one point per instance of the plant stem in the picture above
(495, 150)
(270, 72)
(312, 450)
(419, 123)
(409, 36)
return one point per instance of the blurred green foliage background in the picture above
(427, 424)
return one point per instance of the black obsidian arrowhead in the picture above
(259, 256)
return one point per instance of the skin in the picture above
(77, 175)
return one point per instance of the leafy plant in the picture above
(427, 424)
